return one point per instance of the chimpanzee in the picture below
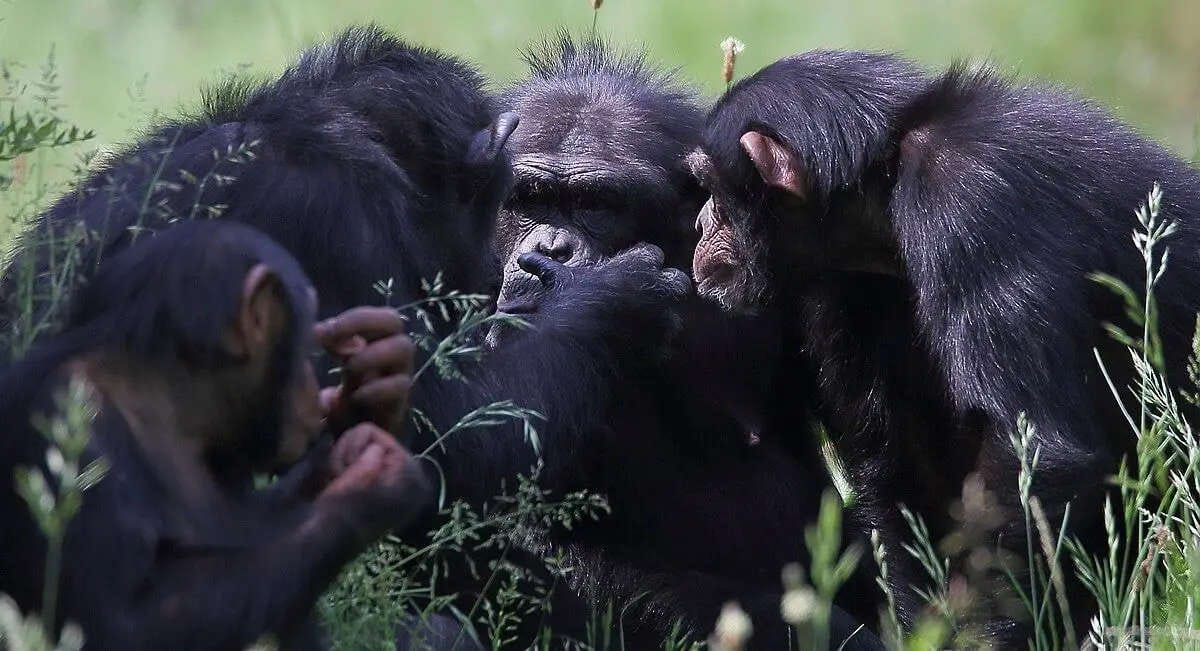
(930, 239)
(371, 160)
(708, 503)
(191, 351)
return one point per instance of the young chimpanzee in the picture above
(192, 350)
(931, 239)
(687, 443)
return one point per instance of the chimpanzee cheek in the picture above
(303, 422)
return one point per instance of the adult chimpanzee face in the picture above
(585, 189)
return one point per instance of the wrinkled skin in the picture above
(748, 239)
(586, 186)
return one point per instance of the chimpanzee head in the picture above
(798, 163)
(598, 162)
(229, 312)
(420, 140)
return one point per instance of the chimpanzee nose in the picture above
(560, 249)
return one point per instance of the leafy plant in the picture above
(54, 496)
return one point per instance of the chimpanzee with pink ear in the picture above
(930, 238)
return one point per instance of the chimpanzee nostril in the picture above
(561, 250)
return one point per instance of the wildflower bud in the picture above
(793, 576)
(731, 47)
(54, 461)
(596, 4)
(798, 605)
(20, 167)
(733, 628)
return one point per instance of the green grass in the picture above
(1139, 58)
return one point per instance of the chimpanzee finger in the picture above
(368, 322)
(546, 269)
(676, 284)
(388, 390)
(394, 462)
(330, 399)
(350, 446)
(648, 253)
(364, 473)
(393, 355)
(395, 458)
(347, 346)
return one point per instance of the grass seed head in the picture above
(731, 48)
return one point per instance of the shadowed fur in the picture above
(936, 271)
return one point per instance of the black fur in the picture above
(150, 562)
(361, 164)
(358, 168)
(364, 137)
(709, 502)
(985, 203)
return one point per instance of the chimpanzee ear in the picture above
(489, 142)
(777, 165)
(259, 314)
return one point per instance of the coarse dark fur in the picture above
(934, 263)
(709, 501)
(361, 161)
(152, 560)
(358, 168)
(365, 137)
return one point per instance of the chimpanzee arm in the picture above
(565, 380)
(131, 586)
(599, 322)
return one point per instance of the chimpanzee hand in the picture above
(628, 297)
(365, 457)
(376, 483)
(377, 363)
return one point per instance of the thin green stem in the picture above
(50, 586)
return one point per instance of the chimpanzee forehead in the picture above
(593, 137)
(583, 171)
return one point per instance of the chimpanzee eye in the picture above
(606, 199)
(527, 193)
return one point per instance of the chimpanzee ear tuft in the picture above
(260, 313)
(776, 164)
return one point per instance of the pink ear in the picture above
(778, 167)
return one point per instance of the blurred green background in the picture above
(121, 59)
